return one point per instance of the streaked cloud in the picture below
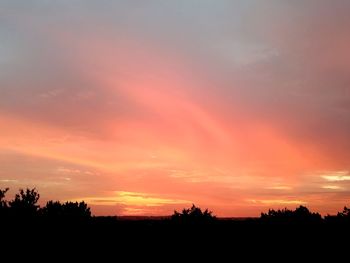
(337, 176)
(277, 202)
(133, 199)
(279, 187)
(332, 187)
(214, 102)
(11, 181)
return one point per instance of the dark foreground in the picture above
(151, 239)
(67, 232)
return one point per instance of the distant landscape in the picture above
(71, 223)
(24, 207)
(176, 127)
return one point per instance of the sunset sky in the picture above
(143, 107)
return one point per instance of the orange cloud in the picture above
(155, 128)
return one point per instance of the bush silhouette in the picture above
(345, 214)
(53, 209)
(341, 217)
(193, 215)
(300, 215)
(25, 203)
(25, 206)
(69, 210)
(3, 202)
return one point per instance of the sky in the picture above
(143, 107)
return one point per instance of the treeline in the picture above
(301, 215)
(25, 206)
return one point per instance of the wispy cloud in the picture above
(276, 202)
(134, 199)
(8, 180)
(336, 176)
(279, 187)
(332, 187)
(173, 101)
(66, 170)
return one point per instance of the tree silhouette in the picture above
(300, 215)
(69, 210)
(25, 203)
(345, 213)
(3, 202)
(52, 209)
(25, 207)
(193, 215)
(77, 210)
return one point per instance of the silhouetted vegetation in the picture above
(25, 223)
(341, 217)
(193, 215)
(69, 210)
(25, 206)
(345, 214)
(3, 203)
(300, 215)
(25, 203)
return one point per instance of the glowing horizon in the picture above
(143, 108)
